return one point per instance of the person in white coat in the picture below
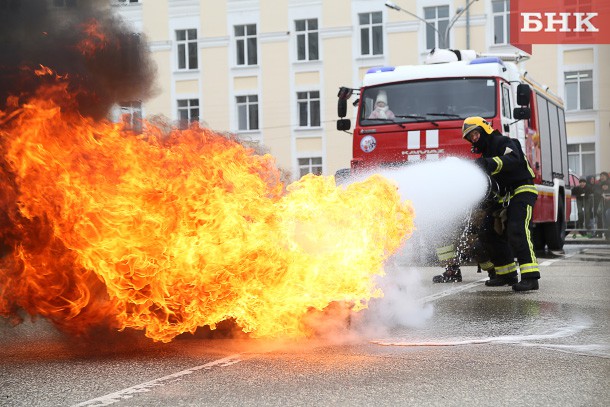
(381, 111)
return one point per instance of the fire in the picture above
(44, 71)
(168, 233)
(94, 38)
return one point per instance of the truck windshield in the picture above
(428, 100)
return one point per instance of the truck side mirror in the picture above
(522, 113)
(344, 124)
(523, 94)
(343, 95)
(342, 107)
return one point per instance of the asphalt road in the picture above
(424, 344)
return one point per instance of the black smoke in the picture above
(118, 68)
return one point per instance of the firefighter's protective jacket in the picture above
(503, 159)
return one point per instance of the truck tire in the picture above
(555, 232)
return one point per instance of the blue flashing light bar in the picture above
(487, 60)
(381, 69)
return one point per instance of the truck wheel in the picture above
(555, 232)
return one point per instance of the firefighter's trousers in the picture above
(514, 241)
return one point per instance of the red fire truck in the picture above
(428, 104)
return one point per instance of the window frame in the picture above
(370, 30)
(309, 166)
(130, 114)
(579, 89)
(579, 154)
(310, 38)
(251, 107)
(244, 44)
(309, 102)
(189, 110)
(187, 46)
(504, 15)
(544, 132)
(551, 127)
(435, 22)
(507, 102)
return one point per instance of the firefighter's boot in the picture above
(500, 281)
(491, 273)
(526, 284)
(452, 274)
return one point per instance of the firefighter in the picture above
(506, 231)
(449, 257)
(467, 247)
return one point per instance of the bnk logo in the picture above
(535, 22)
(559, 22)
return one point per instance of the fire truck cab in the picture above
(427, 104)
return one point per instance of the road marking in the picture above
(162, 381)
(549, 262)
(450, 291)
(525, 340)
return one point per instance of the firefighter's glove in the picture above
(482, 163)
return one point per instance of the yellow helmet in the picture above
(471, 123)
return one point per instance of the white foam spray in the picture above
(443, 193)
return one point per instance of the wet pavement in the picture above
(462, 344)
(569, 313)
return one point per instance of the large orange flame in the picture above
(94, 38)
(168, 233)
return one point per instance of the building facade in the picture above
(269, 70)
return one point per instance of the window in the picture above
(245, 43)
(579, 90)
(506, 103)
(550, 123)
(247, 112)
(544, 131)
(307, 39)
(187, 49)
(371, 33)
(433, 99)
(309, 165)
(563, 141)
(188, 112)
(581, 158)
(438, 21)
(309, 108)
(501, 21)
(131, 115)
